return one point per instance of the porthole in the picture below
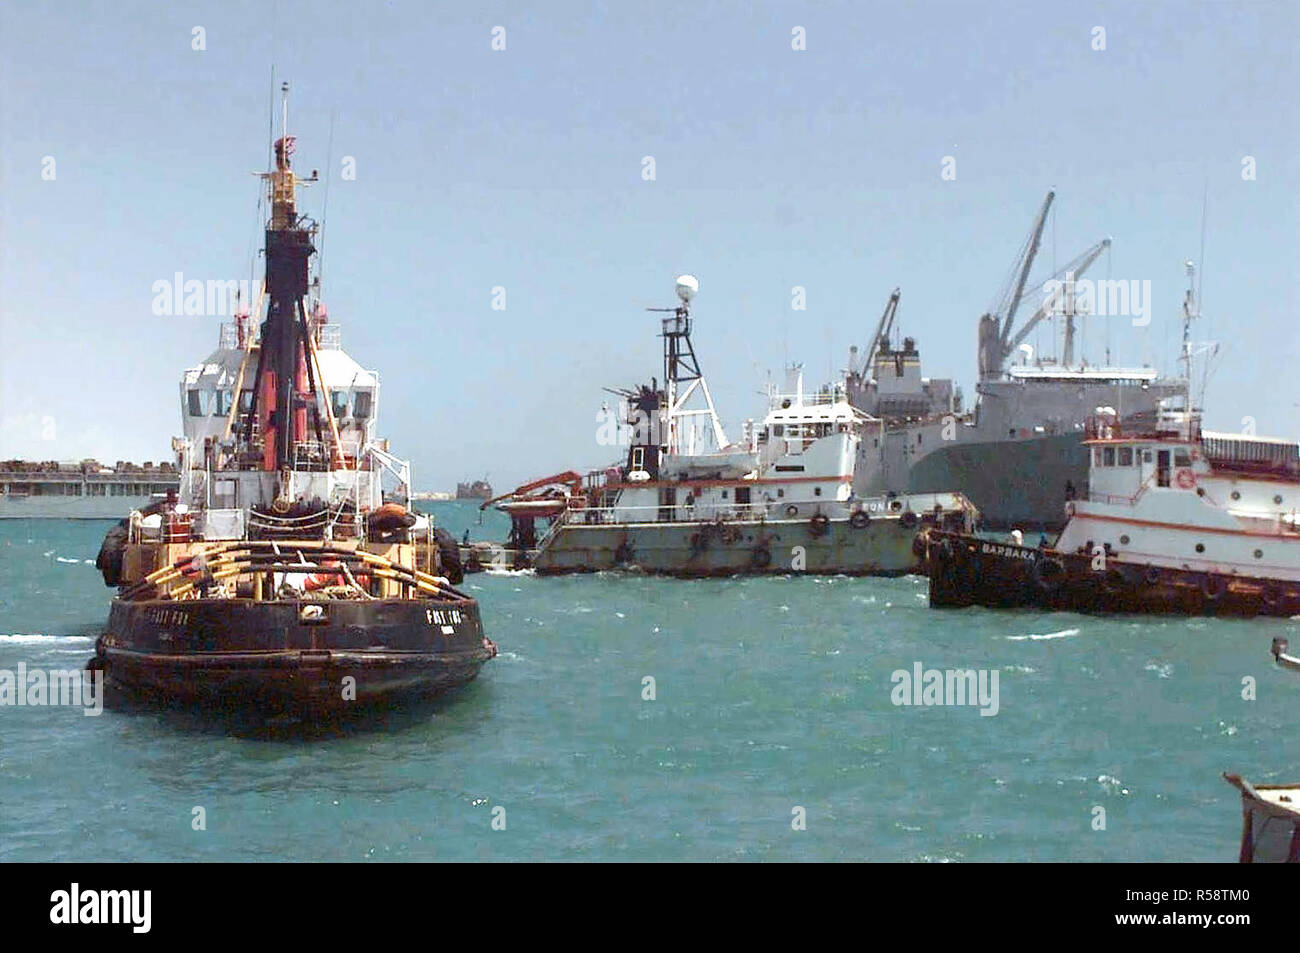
(1259, 554)
(1277, 498)
(1123, 540)
(1200, 547)
(1236, 495)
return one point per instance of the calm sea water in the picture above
(771, 695)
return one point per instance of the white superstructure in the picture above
(1183, 498)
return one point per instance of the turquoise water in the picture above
(771, 694)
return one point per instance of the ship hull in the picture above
(970, 571)
(278, 658)
(1013, 483)
(878, 547)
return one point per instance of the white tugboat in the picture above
(1176, 519)
(686, 501)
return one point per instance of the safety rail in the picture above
(253, 560)
(696, 512)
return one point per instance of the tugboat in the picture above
(1175, 520)
(1270, 813)
(281, 579)
(686, 502)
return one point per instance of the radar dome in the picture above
(687, 286)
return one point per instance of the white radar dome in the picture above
(687, 286)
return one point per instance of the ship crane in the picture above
(1074, 268)
(883, 330)
(995, 326)
(996, 343)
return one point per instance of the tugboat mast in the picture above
(285, 384)
(682, 367)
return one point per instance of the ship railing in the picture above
(668, 513)
(330, 336)
(1120, 499)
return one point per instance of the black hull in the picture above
(277, 658)
(970, 571)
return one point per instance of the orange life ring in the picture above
(1185, 479)
(322, 579)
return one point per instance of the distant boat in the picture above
(477, 490)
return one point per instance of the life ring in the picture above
(908, 519)
(792, 510)
(1048, 573)
(1213, 587)
(1185, 478)
(860, 519)
(322, 579)
(761, 557)
(819, 524)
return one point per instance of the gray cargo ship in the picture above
(1018, 455)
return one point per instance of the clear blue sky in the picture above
(522, 169)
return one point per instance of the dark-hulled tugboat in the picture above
(1176, 520)
(282, 578)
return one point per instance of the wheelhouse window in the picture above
(1126, 456)
(222, 403)
(361, 406)
(339, 403)
(1182, 458)
(197, 402)
(1108, 457)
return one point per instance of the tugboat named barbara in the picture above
(279, 580)
(1175, 520)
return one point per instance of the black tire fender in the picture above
(1213, 587)
(1048, 573)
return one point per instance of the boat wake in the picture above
(19, 639)
(1032, 637)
